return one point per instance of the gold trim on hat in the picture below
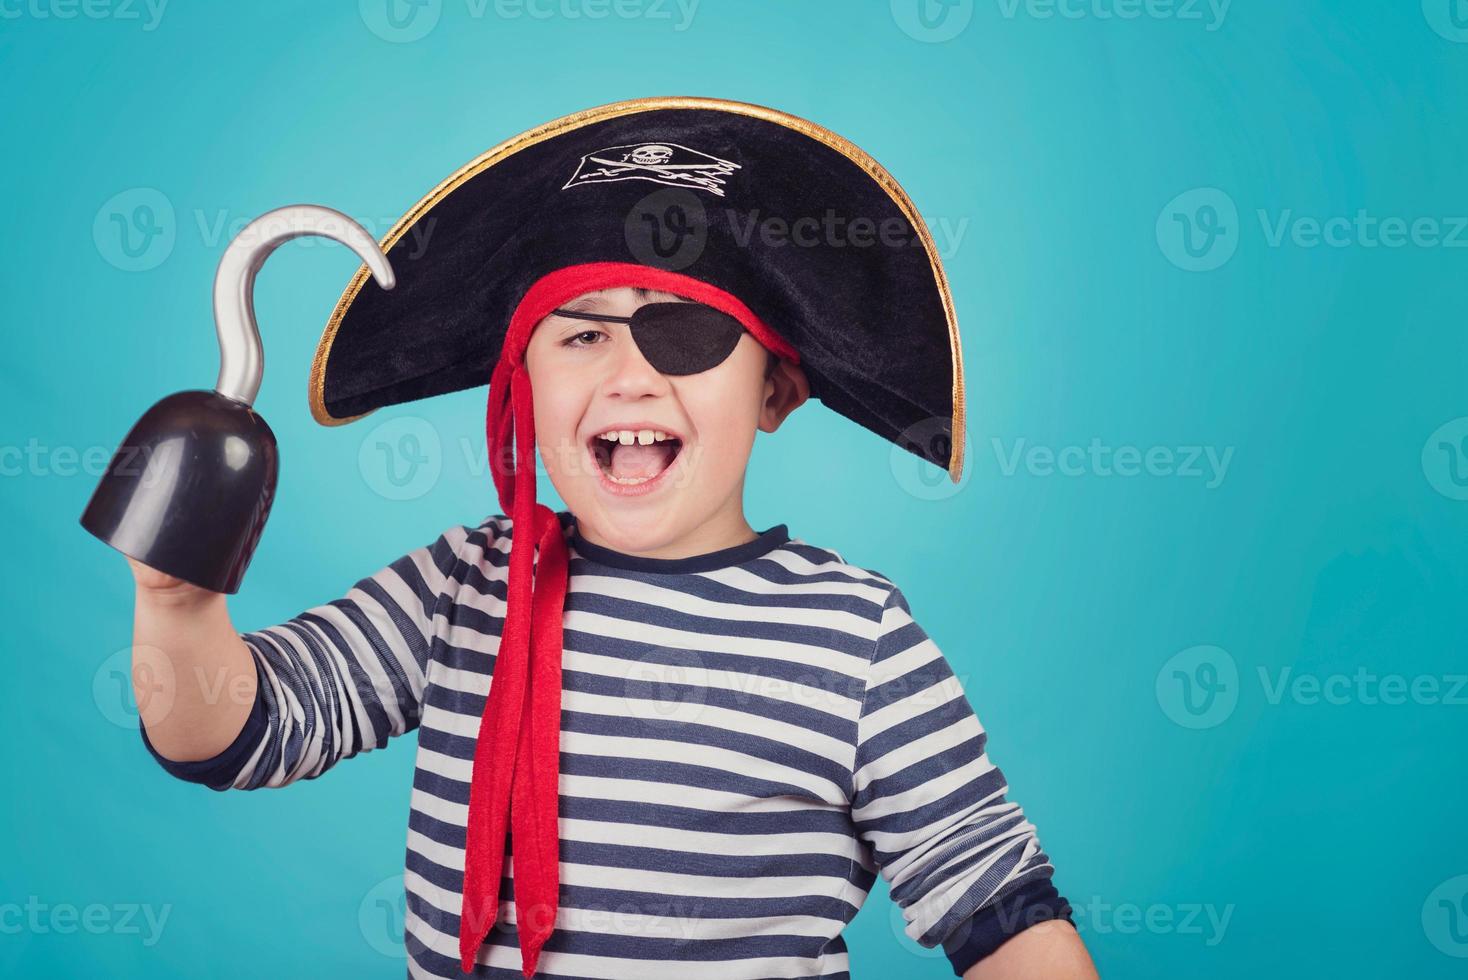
(575, 120)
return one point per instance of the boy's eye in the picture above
(574, 339)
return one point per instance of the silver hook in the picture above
(241, 356)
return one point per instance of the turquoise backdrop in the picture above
(1205, 578)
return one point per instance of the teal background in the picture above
(1329, 834)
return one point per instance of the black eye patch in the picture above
(676, 338)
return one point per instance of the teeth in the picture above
(641, 436)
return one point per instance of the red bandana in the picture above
(517, 761)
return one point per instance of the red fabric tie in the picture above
(517, 755)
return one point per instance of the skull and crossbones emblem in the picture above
(651, 155)
(661, 163)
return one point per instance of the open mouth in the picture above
(632, 457)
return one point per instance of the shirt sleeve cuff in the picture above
(219, 772)
(1032, 902)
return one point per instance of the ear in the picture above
(785, 389)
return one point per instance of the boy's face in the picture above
(673, 497)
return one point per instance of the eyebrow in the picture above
(583, 304)
(595, 303)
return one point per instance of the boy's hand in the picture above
(164, 586)
(183, 631)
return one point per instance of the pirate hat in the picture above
(788, 228)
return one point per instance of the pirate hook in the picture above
(189, 489)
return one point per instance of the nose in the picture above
(629, 375)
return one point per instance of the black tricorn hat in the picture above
(808, 231)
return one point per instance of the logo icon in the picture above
(1445, 459)
(135, 230)
(919, 477)
(400, 21)
(382, 917)
(667, 229)
(1448, 17)
(661, 163)
(1199, 230)
(932, 21)
(402, 458)
(1445, 917)
(131, 673)
(1199, 687)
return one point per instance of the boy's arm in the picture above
(961, 861)
(1045, 951)
(337, 679)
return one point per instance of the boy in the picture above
(641, 704)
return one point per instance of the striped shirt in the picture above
(749, 736)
